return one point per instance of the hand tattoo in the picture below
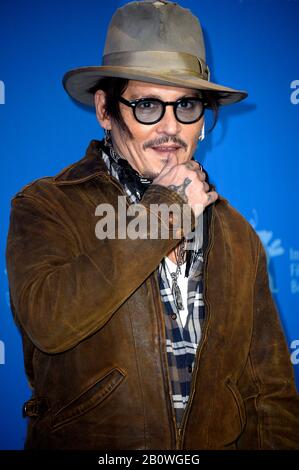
(180, 189)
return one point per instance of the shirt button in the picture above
(190, 369)
(173, 316)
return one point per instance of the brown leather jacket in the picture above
(92, 325)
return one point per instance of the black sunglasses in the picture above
(187, 110)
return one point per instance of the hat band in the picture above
(159, 61)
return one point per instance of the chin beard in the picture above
(151, 175)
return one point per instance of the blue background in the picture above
(251, 156)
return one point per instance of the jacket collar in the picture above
(87, 168)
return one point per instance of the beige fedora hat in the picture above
(152, 41)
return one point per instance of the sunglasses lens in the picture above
(149, 111)
(189, 110)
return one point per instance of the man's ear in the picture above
(100, 106)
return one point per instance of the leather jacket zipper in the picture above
(159, 310)
(181, 429)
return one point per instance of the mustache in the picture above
(165, 140)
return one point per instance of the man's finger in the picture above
(191, 165)
(206, 186)
(212, 196)
(201, 175)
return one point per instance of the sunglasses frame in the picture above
(133, 104)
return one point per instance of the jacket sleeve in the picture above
(59, 297)
(277, 403)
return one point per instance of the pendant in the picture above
(176, 292)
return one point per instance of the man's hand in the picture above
(188, 180)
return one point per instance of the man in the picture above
(149, 342)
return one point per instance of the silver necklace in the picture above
(175, 289)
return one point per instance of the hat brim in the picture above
(77, 82)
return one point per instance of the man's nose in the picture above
(169, 124)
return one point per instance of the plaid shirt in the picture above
(181, 342)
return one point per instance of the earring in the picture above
(202, 135)
(107, 140)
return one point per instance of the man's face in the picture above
(152, 145)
